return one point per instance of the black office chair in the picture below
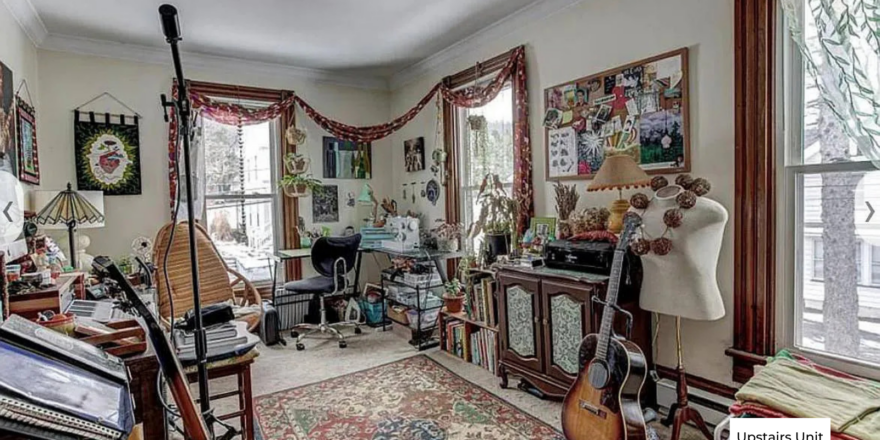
(333, 258)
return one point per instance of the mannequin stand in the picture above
(681, 413)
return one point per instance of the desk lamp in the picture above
(71, 209)
(618, 172)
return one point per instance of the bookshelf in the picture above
(472, 334)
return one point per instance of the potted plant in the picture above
(298, 185)
(453, 296)
(296, 163)
(448, 236)
(497, 217)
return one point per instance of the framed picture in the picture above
(325, 204)
(640, 109)
(108, 156)
(544, 227)
(28, 158)
(414, 154)
(346, 159)
(8, 155)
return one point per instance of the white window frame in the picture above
(274, 197)
(789, 231)
(465, 167)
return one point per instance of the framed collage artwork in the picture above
(28, 157)
(640, 110)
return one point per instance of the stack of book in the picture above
(371, 238)
(56, 387)
(480, 305)
(476, 347)
(483, 349)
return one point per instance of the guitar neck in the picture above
(611, 295)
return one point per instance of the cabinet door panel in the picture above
(520, 333)
(567, 322)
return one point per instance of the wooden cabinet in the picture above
(543, 317)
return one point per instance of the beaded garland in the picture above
(673, 217)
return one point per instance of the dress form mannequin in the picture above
(683, 283)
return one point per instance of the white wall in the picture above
(68, 80)
(18, 53)
(594, 36)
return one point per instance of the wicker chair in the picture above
(218, 281)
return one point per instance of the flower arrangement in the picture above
(448, 235)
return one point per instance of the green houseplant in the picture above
(453, 295)
(298, 185)
(497, 218)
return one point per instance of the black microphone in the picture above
(170, 26)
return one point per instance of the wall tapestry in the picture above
(28, 159)
(325, 204)
(107, 154)
(414, 154)
(640, 109)
(346, 159)
(8, 155)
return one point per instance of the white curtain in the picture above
(840, 44)
(197, 163)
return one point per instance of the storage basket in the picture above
(429, 319)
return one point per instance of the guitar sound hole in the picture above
(599, 375)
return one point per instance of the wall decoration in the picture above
(325, 204)
(8, 154)
(544, 227)
(433, 191)
(562, 152)
(28, 159)
(414, 154)
(640, 109)
(346, 159)
(107, 154)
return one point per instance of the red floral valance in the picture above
(514, 71)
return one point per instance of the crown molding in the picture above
(154, 55)
(24, 13)
(534, 12)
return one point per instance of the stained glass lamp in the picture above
(71, 209)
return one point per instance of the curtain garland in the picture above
(514, 71)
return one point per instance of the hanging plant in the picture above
(296, 163)
(296, 135)
(298, 185)
(480, 129)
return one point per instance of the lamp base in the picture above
(618, 209)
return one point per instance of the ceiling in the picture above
(376, 38)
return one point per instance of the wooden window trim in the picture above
(754, 336)
(452, 136)
(289, 207)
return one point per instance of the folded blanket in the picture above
(801, 391)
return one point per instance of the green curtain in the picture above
(839, 41)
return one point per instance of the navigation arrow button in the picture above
(870, 211)
(6, 212)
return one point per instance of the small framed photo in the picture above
(544, 227)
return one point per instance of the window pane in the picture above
(875, 265)
(495, 158)
(839, 309)
(233, 168)
(243, 231)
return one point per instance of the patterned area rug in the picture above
(411, 399)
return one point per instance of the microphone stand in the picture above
(182, 108)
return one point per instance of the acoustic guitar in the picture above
(603, 403)
(193, 423)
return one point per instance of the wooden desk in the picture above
(67, 287)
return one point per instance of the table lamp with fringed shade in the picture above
(71, 209)
(619, 172)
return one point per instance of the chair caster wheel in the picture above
(342, 344)
(294, 334)
(300, 347)
(357, 330)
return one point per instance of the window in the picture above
(241, 194)
(828, 237)
(496, 159)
